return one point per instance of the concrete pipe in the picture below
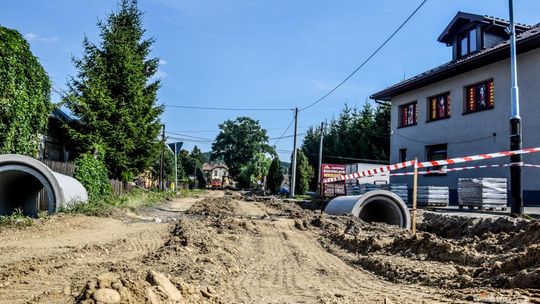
(21, 180)
(374, 206)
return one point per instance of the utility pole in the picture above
(293, 177)
(516, 174)
(320, 185)
(161, 183)
(176, 167)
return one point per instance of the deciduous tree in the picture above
(239, 142)
(24, 95)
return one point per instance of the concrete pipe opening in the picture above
(375, 206)
(28, 185)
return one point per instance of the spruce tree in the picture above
(275, 176)
(114, 97)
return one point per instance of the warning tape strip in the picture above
(427, 164)
(462, 169)
(465, 159)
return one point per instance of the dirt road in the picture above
(214, 249)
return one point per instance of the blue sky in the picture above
(258, 53)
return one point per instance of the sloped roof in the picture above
(467, 18)
(526, 41)
(210, 167)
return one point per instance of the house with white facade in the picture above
(462, 107)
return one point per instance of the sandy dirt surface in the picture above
(222, 248)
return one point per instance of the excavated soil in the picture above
(228, 249)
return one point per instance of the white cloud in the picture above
(162, 62)
(35, 37)
(30, 36)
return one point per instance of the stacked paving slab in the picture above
(432, 196)
(483, 193)
(400, 189)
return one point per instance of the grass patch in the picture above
(136, 199)
(17, 219)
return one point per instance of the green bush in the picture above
(92, 174)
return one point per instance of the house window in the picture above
(437, 152)
(402, 155)
(407, 114)
(479, 97)
(468, 42)
(439, 107)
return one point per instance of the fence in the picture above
(60, 167)
(120, 187)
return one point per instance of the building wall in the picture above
(463, 132)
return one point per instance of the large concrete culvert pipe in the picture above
(374, 206)
(21, 180)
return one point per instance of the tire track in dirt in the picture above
(289, 267)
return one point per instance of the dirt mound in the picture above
(213, 207)
(502, 252)
(152, 287)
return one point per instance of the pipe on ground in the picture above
(374, 206)
(21, 180)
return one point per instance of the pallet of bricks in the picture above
(432, 196)
(482, 193)
(400, 189)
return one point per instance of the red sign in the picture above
(330, 171)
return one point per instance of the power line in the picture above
(217, 130)
(288, 136)
(189, 136)
(367, 60)
(225, 109)
(283, 134)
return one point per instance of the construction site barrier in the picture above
(427, 164)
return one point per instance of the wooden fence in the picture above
(120, 187)
(68, 169)
(60, 167)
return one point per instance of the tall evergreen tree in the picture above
(114, 95)
(304, 173)
(275, 176)
(361, 134)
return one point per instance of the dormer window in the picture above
(468, 42)
(470, 33)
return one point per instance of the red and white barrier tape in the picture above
(426, 164)
(461, 169)
(465, 159)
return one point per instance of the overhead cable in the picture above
(225, 109)
(367, 60)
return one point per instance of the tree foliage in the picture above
(362, 134)
(275, 176)
(304, 173)
(254, 173)
(114, 95)
(191, 165)
(92, 174)
(239, 142)
(24, 95)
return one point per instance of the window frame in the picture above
(428, 158)
(402, 155)
(400, 114)
(448, 107)
(490, 96)
(466, 34)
